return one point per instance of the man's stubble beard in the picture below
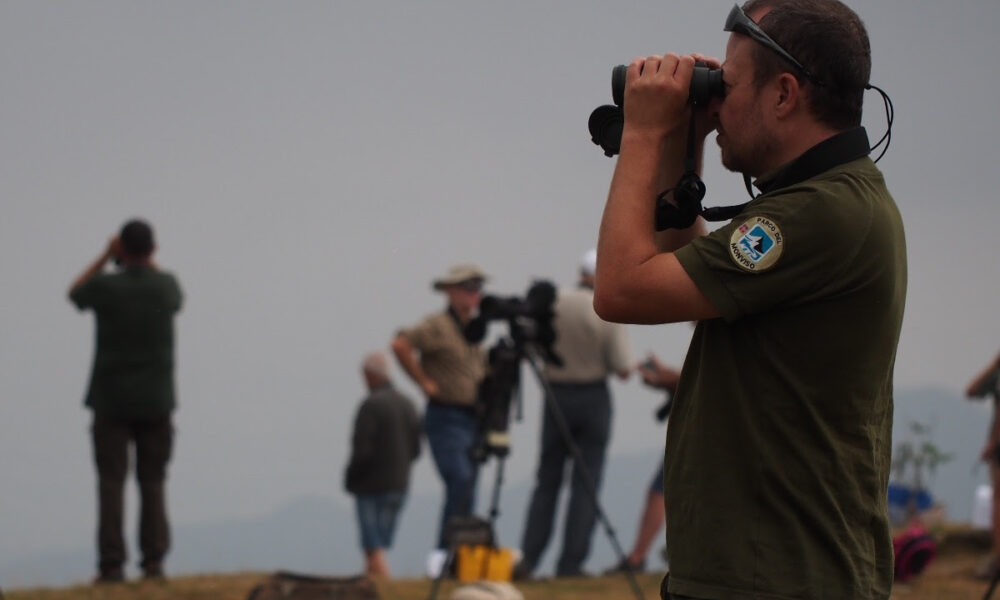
(752, 157)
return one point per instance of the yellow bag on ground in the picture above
(479, 562)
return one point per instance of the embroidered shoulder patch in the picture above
(756, 244)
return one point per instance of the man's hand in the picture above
(430, 387)
(656, 95)
(407, 356)
(111, 250)
(114, 248)
(656, 374)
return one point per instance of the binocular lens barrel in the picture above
(706, 83)
(606, 121)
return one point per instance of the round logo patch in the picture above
(756, 244)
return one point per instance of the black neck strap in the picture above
(844, 147)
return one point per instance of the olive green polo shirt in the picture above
(778, 453)
(454, 364)
(133, 370)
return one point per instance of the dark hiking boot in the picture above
(109, 576)
(575, 573)
(522, 572)
(153, 573)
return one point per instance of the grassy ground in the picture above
(949, 577)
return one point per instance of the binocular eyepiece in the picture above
(606, 121)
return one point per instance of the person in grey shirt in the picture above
(591, 349)
(385, 442)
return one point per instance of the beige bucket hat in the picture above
(460, 274)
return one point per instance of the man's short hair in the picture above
(136, 238)
(376, 364)
(830, 40)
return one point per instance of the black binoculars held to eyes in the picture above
(606, 121)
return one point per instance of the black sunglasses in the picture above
(739, 22)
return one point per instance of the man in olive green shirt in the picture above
(777, 456)
(131, 392)
(448, 369)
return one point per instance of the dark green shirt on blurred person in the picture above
(133, 371)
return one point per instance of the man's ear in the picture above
(788, 95)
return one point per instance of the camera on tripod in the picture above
(529, 322)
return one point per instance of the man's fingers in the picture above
(669, 64)
(634, 69)
(651, 65)
(684, 67)
(711, 61)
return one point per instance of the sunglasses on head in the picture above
(739, 22)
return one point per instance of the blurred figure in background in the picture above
(987, 385)
(131, 392)
(591, 349)
(384, 444)
(448, 369)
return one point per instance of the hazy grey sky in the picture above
(311, 166)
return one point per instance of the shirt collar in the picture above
(843, 147)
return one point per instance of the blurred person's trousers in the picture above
(587, 410)
(153, 441)
(377, 516)
(451, 433)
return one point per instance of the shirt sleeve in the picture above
(424, 336)
(176, 296)
(785, 250)
(89, 294)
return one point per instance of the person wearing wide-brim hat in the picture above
(448, 369)
(466, 275)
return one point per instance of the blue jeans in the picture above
(587, 410)
(377, 518)
(451, 433)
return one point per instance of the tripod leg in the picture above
(993, 584)
(494, 514)
(445, 568)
